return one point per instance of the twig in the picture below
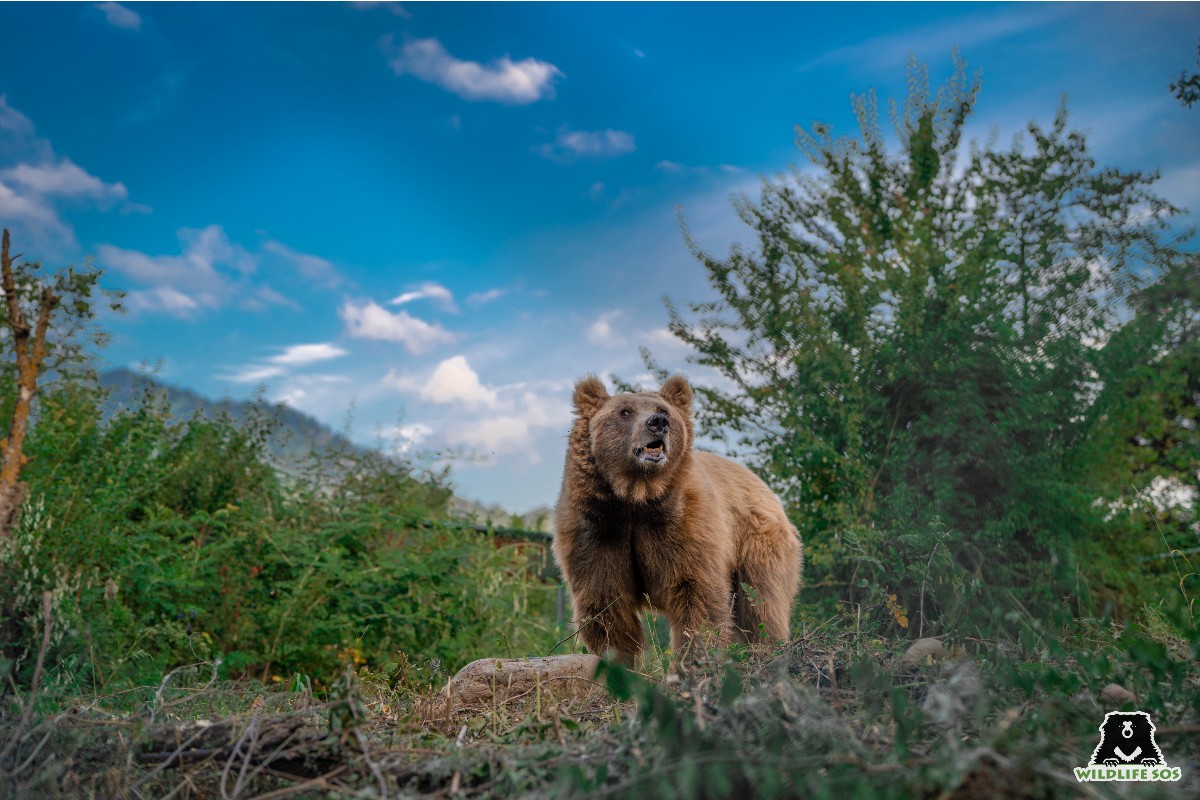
(319, 782)
(267, 761)
(180, 752)
(27, 714)
(169, 757)
(249, 739)
(34, 752)
(162, 685)
(586, 622)
(364, 747)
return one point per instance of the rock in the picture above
(1116, 695)
(491, 680)
(922, 651)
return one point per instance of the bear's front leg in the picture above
(614, 625)
(699, 610)
(603, 595)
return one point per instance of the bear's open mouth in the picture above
(655, 451)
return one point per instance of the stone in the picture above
(922, 651)
(498, 680)
(1116, 695)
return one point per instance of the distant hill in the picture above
(539, 519)
(295, 437)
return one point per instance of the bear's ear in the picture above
(678, 393)
(590, 394)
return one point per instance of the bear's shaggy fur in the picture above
(642, 516)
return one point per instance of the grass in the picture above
(832, 713)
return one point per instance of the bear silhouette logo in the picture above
(1127, 740)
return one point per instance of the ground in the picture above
(831, 713)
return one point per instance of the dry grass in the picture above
(828, 714)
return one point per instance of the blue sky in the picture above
(439, 215)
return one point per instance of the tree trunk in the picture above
(29, 348)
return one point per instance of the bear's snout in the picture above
(658, 424)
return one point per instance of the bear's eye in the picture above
(625, 412)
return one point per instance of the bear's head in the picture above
(638, 441)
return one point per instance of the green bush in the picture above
(952, 362)
(171, 542)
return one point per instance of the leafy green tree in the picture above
(911, 351)
(1148, 436)
(44, 321)
(1187, 88)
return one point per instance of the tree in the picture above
(1187, 88)
(911, 351)
(43, 321)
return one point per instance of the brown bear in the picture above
(642, 516)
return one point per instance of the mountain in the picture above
(294, 437)
(539, 519)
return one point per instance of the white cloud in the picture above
(442, 297)
(33, 178)
(676, 168)
(15, 125)
(1181, 186)
(207, 272)
(453, 381)
(120, 17)
(372, 321)
(296, 355)
(265, 296)
(254, 373)
(513, 433)
(395, 9)
(162, 299)
(503, 81)
(35, 215)
(570, 145)
(601, 331)
(64, 179)
(313, 268)
(496, 436)
(406, 437)
(299, 355)
(935, 39)
(290, 397)
(487, 420)
(1168, 493)
(477, 299)
(660, 339)
(321, 395)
